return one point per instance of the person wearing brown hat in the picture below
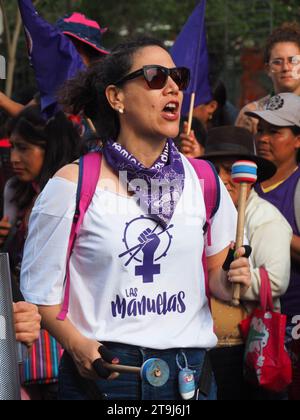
(278, 139)
(264, 225)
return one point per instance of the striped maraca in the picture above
(244, 172)
(154, 371)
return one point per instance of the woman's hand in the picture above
(89, 356)
(91, 359)
(239, 272)
(190, 146)
(5, 228)
(27, 322)
(223, 276)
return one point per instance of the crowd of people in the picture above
(150, 271)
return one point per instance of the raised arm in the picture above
(11, 107)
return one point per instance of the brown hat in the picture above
(236, 143)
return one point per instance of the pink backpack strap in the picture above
(89, 173)
(211, 188)
(210, 185)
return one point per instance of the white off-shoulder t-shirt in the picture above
(132, 281)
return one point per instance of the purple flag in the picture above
(190, 50)
(53, 56)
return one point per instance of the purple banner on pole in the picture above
(190, 50)
(53, 56)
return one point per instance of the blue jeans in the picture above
(130, 386)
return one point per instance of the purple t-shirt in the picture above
(283, 198)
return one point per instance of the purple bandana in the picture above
(159, 188)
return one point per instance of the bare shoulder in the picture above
(256, 105)
(252, 106)
(69, 172)
(245, 121)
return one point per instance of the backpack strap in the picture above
(297, 205)
(89, 172)
(210, 185)
(211, 189)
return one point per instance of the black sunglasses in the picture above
(157, 76)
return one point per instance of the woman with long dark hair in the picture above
(39, 149)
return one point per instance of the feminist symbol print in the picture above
(146, 248)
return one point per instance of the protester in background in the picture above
(57, 53)
(278, 140)
(39, 149)
(135, 108)
(218, 111)
(264, 224)
(193, 145)
(23, 96)
(282, 59)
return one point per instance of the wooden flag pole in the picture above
(91, 125)
(192, 105)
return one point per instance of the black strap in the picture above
(79, 188)
(231, 257)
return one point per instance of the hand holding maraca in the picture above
(245, 174)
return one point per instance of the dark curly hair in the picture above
(86, 93)
(287, 32)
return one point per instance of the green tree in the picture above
(232, 25)
(162, 19)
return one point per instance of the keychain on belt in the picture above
(186, 379)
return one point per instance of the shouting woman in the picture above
(137, 279)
